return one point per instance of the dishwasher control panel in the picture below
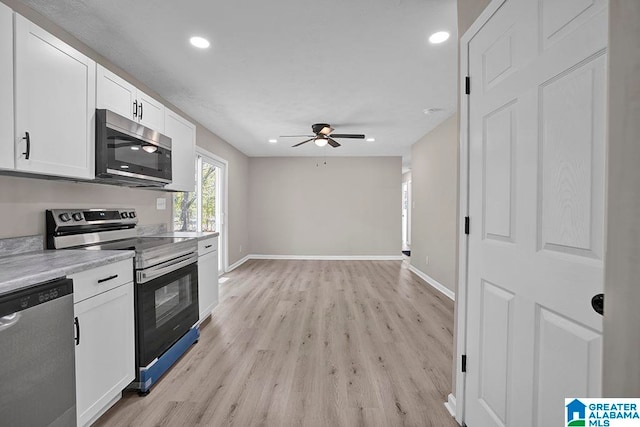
(23, 299)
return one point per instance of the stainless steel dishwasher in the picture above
(37, 356)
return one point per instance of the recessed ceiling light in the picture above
(135, 148)
(199, 42)
(371, 139)
(273, 141)
(439, 37)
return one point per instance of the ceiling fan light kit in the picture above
(321, 141)
(323, 136)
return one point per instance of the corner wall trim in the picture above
(331, 257)
(450, 404)
(433, 283)
(238, 263)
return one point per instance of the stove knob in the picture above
(64, 217)
(77, 216)
(124, 215)
(132, 214)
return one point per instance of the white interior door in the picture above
(405, 214)
(536, 207)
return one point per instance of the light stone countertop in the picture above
(199, 235)
(23, 270)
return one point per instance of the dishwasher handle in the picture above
(76, 322)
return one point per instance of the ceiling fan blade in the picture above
(332, 142)
(347, 135)
(303, 142)
(296, 136)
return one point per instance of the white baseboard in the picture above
(450, 404)
(433, 283)
(238, 263)
(331, 257)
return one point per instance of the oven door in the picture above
(167, 309)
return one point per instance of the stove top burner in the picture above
(114, 229)
(138, 244)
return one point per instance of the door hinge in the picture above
(464, 363)
(466, 225)
(467, 85)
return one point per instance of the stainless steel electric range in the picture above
(166, 281)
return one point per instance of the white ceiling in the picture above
(276, 67)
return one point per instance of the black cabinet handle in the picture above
(597, 302)
(28, 152)
(76, 322)
(135, 108)
(106, 279)
(140, 110)
(207, 246)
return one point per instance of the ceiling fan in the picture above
(323, 136)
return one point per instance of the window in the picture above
(203, 209)
(200, 210)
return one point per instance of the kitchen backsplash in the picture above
(19, 245)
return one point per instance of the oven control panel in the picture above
(74, 217)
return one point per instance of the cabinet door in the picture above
(207, 283)
(6, 88)
(105, 362)
(115, 93)
(183, 152)
(55, 104)
(150, 112)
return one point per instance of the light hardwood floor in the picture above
(310, 343)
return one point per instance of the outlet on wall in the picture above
(426, 259)
(161, 203)
(240, 249)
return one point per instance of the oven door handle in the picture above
(162, 269)
(161, 260)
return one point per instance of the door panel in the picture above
(499, 167)
(567, 363)
(115, 93)
(536, 190)
(55, 103)
(495, 349)
(150, 112)
(571, 138)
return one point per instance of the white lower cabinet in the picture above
(207, 276)
(105, 346)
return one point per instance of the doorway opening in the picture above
(406, 218)
(205, 208)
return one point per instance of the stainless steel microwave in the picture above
(128, 153)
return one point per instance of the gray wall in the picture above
(351, 206)
(24, 200)
(434, 182)
(621, 371)
(27, 198)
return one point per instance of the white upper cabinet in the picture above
(55, 104)
(183, 152)
(116, 94)
(6, 88)
(150, 112)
